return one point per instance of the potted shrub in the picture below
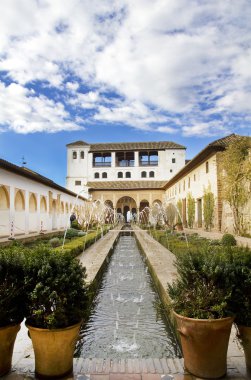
(55, 306)
(200, 298)
(11, 304)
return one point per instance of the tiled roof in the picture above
(28, 173)
(148, 145)
(125, 185)
(204, 154)
(77, 143)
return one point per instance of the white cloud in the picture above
(23, 112)
(167, 57)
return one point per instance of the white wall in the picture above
(16, 221)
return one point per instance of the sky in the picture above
(120, 70)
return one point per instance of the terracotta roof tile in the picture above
(125, 185)
(148, 145)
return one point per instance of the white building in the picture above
(132, 161)
(31, 203)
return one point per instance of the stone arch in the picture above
(4, 198)
(109, 203)
(19, 201)
(66, 208)
(43, 205)
(4, 211)
(157, 201)
(43, 214)
(126, 204)
(19, 222)
(54, 214)
(32, 203)
(33, 217)
(144, 211)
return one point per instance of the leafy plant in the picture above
(56, 290)
(236, 178)
(228, 240)
(190, 210)
(202, 289)
(12, 289)
(208, 208)
(75, 225)
(54, 242)
(71, 233)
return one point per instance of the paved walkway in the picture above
(162, 262)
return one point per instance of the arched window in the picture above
(74, 154)
(82, 154)
(104, 175)
(120, 175)
(128, 174)
(151, 174)
(96, 175)
(143, 174)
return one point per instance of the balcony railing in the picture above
(148, 163)
(124, 163)
(101, 164)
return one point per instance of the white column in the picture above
(136, 158)
(113, 159)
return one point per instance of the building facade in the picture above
(31, 203)
(122, 162)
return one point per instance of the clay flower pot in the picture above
(7, 339)
(54, 350)
(204, 344)
(244, 334)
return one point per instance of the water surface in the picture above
(124, 322)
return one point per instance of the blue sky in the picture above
(122, 70)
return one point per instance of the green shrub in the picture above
(75, 225)
(228, 240)
(202, 289)
(71, 233)
(81, 233)
(12, 290)
(56, 290)
(76, 246)
(55, 242)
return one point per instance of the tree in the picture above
(179, 210)
(235, 174)
(190, 210)
(208, 208)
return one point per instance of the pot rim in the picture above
(30, 327)
(200, 320)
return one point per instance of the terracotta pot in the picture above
(244, 334)
(54, 350)
(7, 339)
(204, 344)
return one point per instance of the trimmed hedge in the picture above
(78, 245)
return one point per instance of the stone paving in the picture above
(162, 261)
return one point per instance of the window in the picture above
(189, 182)
(124, 159)
(173, 160)
(96, 175)
(82, 154)
(77, 183)
(194, 177)
(148, 158)
(207, 167)
(104, 175)
(101, 159)
(184, 185)
(120, 175)
(151, 174)
(171, 170)
(143, 174)
(74, 155)
(128, 175)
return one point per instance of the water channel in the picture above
(125, 322)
